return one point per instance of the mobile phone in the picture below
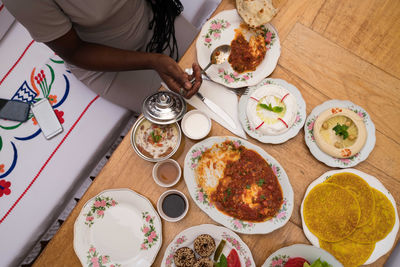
(14, 110)
(46, 118)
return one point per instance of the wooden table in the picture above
(331, 49)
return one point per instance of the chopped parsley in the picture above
(341, 130)
(263, 197)
(248, 186)
(260, 182)
(276, 109)
(156, 138)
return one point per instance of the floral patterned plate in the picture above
(219, 30)
(327, 159)
(202, 199)
(310, 253)
(117, 227)
(187, 237)
(273, 139)
(381, 247)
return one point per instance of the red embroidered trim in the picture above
(48, 160)
(18, 60)
(259, 125)
(283, 122)
(1, 7)
(254, 98)
(284, 97)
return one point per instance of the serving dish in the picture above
(202, 199)
(186, 238)
(118, 227)
(292, 131)
(310, 253)
(140, 152)
(382, 246)
(327, 159)
(219, 30)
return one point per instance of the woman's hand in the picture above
(176, 79)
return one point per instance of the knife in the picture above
(217, 110)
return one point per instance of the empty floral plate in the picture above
(117, 228)
(220, 30)
(327, 159)
(202, 197)
(218, 233)
(310, 253)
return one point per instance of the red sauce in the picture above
(249, 189)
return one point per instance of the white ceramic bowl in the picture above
(188, 127)
(158, 180)
(162, 213)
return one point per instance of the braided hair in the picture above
(164, 14)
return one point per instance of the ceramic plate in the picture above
(310, 253)
(273, 139)
(219, 30)
(187, 237)
(117, 228)
(201, 198)
(381, 247)
(327, 159)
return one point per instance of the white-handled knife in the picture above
(217, 110)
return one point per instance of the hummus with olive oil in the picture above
(340, 132)
(156, 141)
(275, 121)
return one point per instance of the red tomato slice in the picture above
(233, 259)
(296, 262)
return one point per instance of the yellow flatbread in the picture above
(382, 222)
(331, 212)
(362, 191)
(348, 252)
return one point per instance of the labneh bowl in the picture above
(155, 142)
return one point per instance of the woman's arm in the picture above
(104, 58)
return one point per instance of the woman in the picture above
(104, 43)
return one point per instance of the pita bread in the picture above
(255, 12)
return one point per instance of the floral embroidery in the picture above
(52, 99)
(170, 258)
(279, 261)
(94, 259)
(59, 115)
(4, 187)
(214, 32)
(236, 244)
(1, 168)
(34, 121)
(149, 231)
(99, 206)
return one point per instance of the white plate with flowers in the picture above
(328, 159)
(218, 233)
(118, 227)
(204, 168)
(282, 90)
(310, 253)
(220, 30)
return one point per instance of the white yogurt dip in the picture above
(269, 122)
(196, 125)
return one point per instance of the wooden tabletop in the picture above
(331, 49)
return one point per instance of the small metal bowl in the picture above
(134, 145)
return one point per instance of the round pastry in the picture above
(184, 257)
(271, 109)
(340, 132)
(204, 262)
(204, 245)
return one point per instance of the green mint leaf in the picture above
(276, 109)
(341, 130)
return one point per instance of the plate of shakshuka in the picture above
(238, 185)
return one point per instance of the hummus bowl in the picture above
(154, 142)
(321, 142)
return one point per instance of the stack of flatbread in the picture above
(255, 12)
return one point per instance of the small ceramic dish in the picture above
(196, 124)
(172, 205)
(148, 137)
(327, 159)
(167, 173)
